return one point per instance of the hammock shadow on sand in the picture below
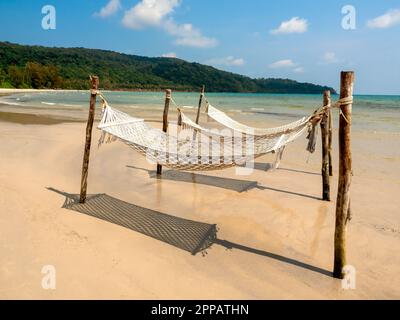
(188, 235)
(218, 182)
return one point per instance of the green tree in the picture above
(2, 76)
(35, 75)
(16, 76)
(42, 67)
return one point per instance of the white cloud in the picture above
(298, 70)
(294, 25)
(112, 7)
(187, 35)
(389, 19)
(148, 13)
(169, 55)
(330, 58)
(286, 63)
(157, 13)
(227, 61)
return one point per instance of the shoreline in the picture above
(36, 119)
(28, 118)
(11, 91)
(6, 92)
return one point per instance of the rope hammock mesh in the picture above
(223, 119)
(199, 149)
(206, 151)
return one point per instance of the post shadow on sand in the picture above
(188, 235)
(269, 167)
(289, 192)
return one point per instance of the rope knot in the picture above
(343, 102)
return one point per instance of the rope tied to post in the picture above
(324, 109)
(95, 92)
(343, 102)
(344, 117)
(173, 101)
(318, 116)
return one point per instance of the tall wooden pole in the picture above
(86, 155)
(165, 121)
(326, 193)
(200, 103)
(330, 121)
(345, 174)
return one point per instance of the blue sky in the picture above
(301, 40)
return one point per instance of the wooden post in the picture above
(179, 118)
(86, 155)
(326, 193)
(200, 103)
(330, 121)
(165, 121)
(345, 174)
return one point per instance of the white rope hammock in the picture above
(246, 131)
(195, 148)
(223, 119)
(261, 135)
(226, 121)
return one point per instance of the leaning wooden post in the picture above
(85, 167)
(165, 121)
(200, 103)
(345, 174)
(326, 193)
(330, 121)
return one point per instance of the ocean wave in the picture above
(10, 103)
(61, 104)
(70, 105)
(296, 107)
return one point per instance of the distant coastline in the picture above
(39, 67)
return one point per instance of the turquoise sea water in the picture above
(374, 113)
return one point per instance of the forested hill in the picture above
(69, 68)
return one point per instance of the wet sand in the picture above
(275, 237)
(26, 118)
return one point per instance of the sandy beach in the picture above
(274, 240)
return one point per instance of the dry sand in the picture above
(276, 238)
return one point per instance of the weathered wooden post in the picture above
(179, 118)
(200, 103)
(326, 193)
(345, 174)
(86, 155)
(330, 142)
(165, 121)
